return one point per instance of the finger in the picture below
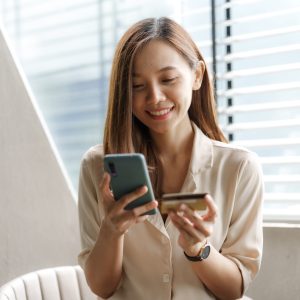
(107, 196)
(197, 220)
(184, 225)
(126, 199)
(178, 216)
(212, 211)
(138, 211)
(127, 218)
(189, 213)
(123, 220)
(104, 185)
(190, 235)
(193, 233)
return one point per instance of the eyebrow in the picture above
(168, 68)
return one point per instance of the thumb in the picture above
(212, 212)
(105, 187)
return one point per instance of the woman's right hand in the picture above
(117, 219)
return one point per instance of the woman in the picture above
(161, 104)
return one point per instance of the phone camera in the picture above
(112, 169)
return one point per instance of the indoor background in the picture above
(252, 48)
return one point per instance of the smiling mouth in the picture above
(161, 112)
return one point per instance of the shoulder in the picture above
(236, 157)
(92, 159)
(208, 153)
(95, 153)
(234, 151)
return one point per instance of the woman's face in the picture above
(162, 87)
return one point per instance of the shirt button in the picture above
(166, 278)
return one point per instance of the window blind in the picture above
(259, 100)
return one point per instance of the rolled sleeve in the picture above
(244, 241)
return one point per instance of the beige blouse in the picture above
(154, 266)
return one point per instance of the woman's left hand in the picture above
(194, 228)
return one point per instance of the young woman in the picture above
(161, 104)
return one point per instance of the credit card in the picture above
(171, 201)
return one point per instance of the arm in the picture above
(218, 273)
(103, 266)
(228, 273)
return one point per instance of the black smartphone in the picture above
(171, 201)
(129, 172)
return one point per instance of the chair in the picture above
(60, 283)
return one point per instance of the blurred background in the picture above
(252, 48)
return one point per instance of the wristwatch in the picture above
(203, 254)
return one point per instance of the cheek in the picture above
(183, 95)
(183, 90)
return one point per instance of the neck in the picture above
(174, 143)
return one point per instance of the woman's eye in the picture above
(169, 80)
(137, 86)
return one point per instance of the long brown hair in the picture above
(125, 133)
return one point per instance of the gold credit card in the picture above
(170, 202)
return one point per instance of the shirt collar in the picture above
(201, 159)
(202, 153)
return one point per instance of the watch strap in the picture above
(204, 250)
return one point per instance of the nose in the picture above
(155, 94)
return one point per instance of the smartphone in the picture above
(170, 202)
(129, 172)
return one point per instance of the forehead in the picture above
(157, 55)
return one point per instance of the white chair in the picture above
(60, 283)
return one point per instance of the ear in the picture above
(198, 75)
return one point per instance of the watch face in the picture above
(205, 252)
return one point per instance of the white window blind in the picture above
(258, 75)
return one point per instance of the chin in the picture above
(159, 129)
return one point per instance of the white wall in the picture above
(38, 214)
(279, 277)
